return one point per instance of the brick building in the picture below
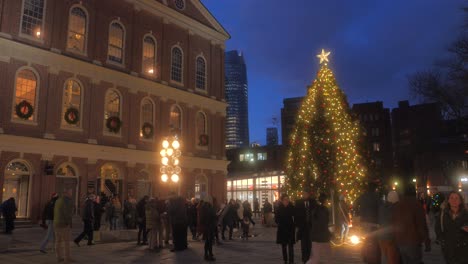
(90, 88)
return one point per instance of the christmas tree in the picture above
(323, 153)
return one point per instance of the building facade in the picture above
(377, 138)
(288, 117)
(237, 113)
(91, 88)
(272, 136)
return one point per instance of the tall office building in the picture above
(288, 117)
(272, 136)
(237, 119)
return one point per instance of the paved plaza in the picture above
(259, 249)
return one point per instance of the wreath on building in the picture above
(147, 130)
(72, 116)
(203, 140)
(24, 110)
(113, 123)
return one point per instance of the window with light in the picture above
(32, 19)
(77, 30)
(201, 73)
(116, 43)
(149, 55)
(26, 89)
(112, 104)
(71, 99)
(147, 114)
(175, 119)
(176, 65)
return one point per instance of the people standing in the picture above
(153, 224)
(141, 214)
(303, 210)
(319, 233)
(88, 221)
(9, 213)
(343, 218)
(208, 225)
(192, 214)
(63, 212)
(284, 218)
(48, 220)
(267, 213)
(98, 210)
(117, 213)
(256, 207)
(452, 230)
(386, 239)
(178, 217)
(410, 225)
(230, 218)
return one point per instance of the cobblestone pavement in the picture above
(259, 249)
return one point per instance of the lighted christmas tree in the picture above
(323, 152)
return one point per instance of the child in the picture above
(245, 227)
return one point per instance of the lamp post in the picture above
(170, 154)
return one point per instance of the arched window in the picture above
(112, 104)
(17, 178)
(175, 120)
(177, 63)
(71, 108)
(147, 119)
(116, 43)
(201, 73)
(25, 91)
(201, 124)
(33, 18)
(77, 25)
(149, 55)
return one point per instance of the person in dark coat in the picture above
(303, 210)
(319, 233)
(178, 217)
(192, 213)
(452, 230)
(284, 218)
(256, 207)
(88, 221)
(230, 218)
(98, 210)
(141, 217)
(208, 225)
(9, 213)
(267, 213)
(48, 222)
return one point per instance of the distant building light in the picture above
(464, 179)
(414, 180)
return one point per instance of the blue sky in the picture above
(375, 45)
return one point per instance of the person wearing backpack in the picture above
(319, 233)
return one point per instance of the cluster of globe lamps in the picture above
(170, 154)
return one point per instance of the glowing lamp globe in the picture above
(176, 161)
(165, 161)
(169, 152)
(175, 144)
(165, 144)
(175, 177)
(164, 177)
(163, 153)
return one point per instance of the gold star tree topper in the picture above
(324, 56)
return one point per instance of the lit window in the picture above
(77, 30)
(32, 19)
(26, 90)
(175, 119)
(112, 104)
(376, 146)
(241, 157)
(201, 73)
(149, 55)
(116, 43)
(262, 156)
(71, 100)
(249, 157)
(176, 65)
(146, 118)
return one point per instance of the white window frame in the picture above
(70, 127)
(123, 44)
(36, 99)
(205, 89)
(142, 138)
(155, 73)
(197, 136)
(182, 66)
(85, 51)
(104, 128)
(23, 35)
(181, 117)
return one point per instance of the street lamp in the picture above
(170, 155)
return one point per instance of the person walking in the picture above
(153, 224)
(319, 233)
(267, 213)
(256, 207)
(452, 230)
(343, 219)
(98, 210)
(63, 213)
(88, 221)
(284, 218)
(409, 221)
(48, 221)
(141, 214)
(303, 210)
(386, 239)
(208, 226)
(248, 211)
(9, 213)
(229, 219)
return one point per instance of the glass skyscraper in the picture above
(237, 118)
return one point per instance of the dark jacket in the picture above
(300, 213)
(319, 230)
(48, 213)
(192, 213)
(453, 239)
(409, 221)
(367, 207)
(284, 218)
(231, 214)
(207, 220)
(267, 208)
(63, 212)
(9, 209)
(88, 211)
(177, 211)
(385, 220)
(141, 210)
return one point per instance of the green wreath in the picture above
(113, 123)
(72, 116)
(24, 110)
(147, 130)
(203, 140)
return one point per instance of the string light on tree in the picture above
(323, 145)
